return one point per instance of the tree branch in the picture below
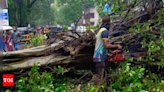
(30, 5)
(129, 11)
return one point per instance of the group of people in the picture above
(11, 40)
(41, 31)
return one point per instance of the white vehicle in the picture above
(81, 29)
(70, 28)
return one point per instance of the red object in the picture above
(89, 24)
(137, 55)
(120, 56)
(8, 79)
(114, 52)
(116, 57)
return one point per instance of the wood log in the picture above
(29, 63)
(35, 51)
(47, 60)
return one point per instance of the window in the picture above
(92, 23)
(89, 15)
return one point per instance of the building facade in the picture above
(90, 16)
(4, 4)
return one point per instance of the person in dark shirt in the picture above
(16, 36)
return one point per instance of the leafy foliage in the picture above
(92, 27)
(132, 79)
(35, 12)
(37, 40)
(36, 81)
(70, 11)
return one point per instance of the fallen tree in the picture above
(132, 32)
(35, 51)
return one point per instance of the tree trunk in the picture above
(29, 5)
(47, 60)
(35, 51)
(21, 12)
(16, 13)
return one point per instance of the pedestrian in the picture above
(41, 31)
(101, 47)
(35, 30)
(49, 33)
(9, 43)
(4, 44)
(16, 37)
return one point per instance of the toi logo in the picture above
(8, 80)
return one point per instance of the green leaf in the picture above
(128, 64)
(133, 1)
(8, 91)
(38, 64)
(20, 80)
(139, 58)
(142, 69)
(30, 73)
(131, 29)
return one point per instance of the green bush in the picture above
(37, 40)
(43, 82)
(132, 79)
(92, 27)
(36, 82)
(65, 27)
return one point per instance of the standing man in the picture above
(101, 47)
(100, 54)
(16, 37)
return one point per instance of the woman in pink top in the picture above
(40, 31)
(10, 43)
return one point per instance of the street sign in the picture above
(5, 17)
(107, 8)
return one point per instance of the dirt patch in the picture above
(21, 47)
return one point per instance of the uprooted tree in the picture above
(139, 27)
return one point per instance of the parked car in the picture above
(57, 31)
(70, 28)
(81, 29)
(26, 32)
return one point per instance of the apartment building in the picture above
(90, 16)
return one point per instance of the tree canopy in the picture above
(35, 12)
(71, 10)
